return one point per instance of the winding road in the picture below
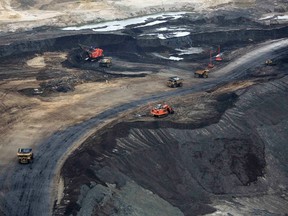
(31, 190)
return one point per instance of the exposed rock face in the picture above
(116, 43)
(187, 166)
(226, 146)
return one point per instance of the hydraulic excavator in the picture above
(162, 110)
(91, 53)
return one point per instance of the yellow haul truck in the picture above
(105, 62)
(174, 82)
(201, 73)
(25, 155)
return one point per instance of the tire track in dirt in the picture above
(31, 188)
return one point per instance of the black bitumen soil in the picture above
(170, 159)
(182, 168)
(205, 163)
(187, 171)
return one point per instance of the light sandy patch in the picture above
(37, 62)
(41, 61)
(78, 12)
(29, 15)
(30, 120)
(235, 86)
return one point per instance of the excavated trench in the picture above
(229, 145)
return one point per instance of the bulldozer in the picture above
(161, 110)
(105, 62)
(25, 155)
(201, 73)
(91, 53)
(174, 82)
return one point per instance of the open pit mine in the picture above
(166, 111)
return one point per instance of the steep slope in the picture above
(237, 162)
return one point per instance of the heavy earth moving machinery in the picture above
(269, 62)
(174, 82)
(201, 73)
(91, 53)
(210, 65)
(162, 110)
(105, 62)
(219, 55)
(37, 91)
(25, 155)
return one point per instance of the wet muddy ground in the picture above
(223, 148)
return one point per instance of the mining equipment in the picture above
(174, 82)
(201, 73)
(269, 62)
(162, 110)
(105, 62)
(25, 155)
(37, 91)
(210, 65)
(218, 57)
(91, 53)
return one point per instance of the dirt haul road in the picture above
(30, 190)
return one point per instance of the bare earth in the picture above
(28, 121)
(16, 16)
